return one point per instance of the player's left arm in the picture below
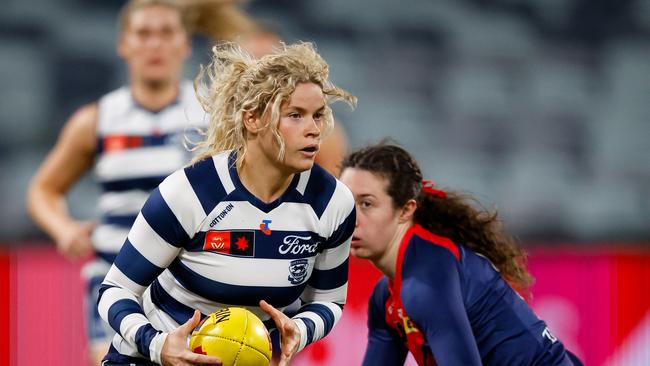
(432, 296)
(326, 291)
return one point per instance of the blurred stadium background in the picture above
(541, 108)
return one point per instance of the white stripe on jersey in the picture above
(95, 268)
(221, 165)
(108, 237)
(302, 183)
(250, 271)
(177, 189)
(115, 294)
(150, 161)
(192, 300)
(303, 330)
(115, 277)
(334, 257)
(158, 318)
(123, 347)
(245, 216)
(150, 245)
(331, 218)
(130, 325)
(336, 295)
(336, 310)
(122, 203)
(162, 152)
(319, 324)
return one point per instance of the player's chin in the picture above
(359, 252)
(158, 74)
(301, 163)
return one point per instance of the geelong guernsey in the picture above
(203, 241)
(136, 149)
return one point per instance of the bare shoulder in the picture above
(85, 118)
(80, 129)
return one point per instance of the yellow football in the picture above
(235, 335)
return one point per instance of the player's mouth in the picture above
(309, 150)
(155, 61)
(355, 243)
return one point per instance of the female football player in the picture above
(251, 222)
(132, 138)
(447, 295)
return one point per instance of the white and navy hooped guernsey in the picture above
(203, 241)
(136, 149)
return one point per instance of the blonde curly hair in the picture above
(235, 83)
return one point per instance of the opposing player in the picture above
(132, 137)
(252, 222)
(446, 295)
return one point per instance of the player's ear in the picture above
(407, 211)
(251, 123)
(121, 47)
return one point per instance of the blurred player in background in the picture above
(253, 218)
(132, 138)
(446, 295)
(262, 39)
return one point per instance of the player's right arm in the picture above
(164, 225)
(384, 345)
(69, 159)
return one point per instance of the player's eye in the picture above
(294, 115)
(167, 32)
(365, 204)
(143, 33)
(318, 116)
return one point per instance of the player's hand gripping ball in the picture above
(235, 335)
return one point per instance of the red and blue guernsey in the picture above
(449, 306)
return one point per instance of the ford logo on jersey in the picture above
(297, 271)
(295, 244)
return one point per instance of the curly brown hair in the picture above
(457, 216)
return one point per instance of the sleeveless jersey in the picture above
(136, 149)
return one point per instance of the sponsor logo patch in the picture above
(295, 244)
(297, 270)
(264, 227)
(236, 242)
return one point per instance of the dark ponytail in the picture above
(459, 217)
